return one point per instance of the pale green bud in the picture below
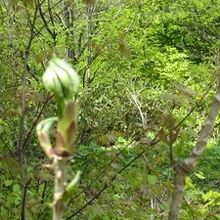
(61, 79)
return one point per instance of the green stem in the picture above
(59, 188)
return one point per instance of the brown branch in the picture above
(28, 136)
(55, 5)
(171, 154)
(21, 148)
(52, 33)
(50, 12)
(185, 166)
(24, 197)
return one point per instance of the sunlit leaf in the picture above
(16, 188)
(8, 183)
(200, 175)
(152, 180)
(2, 122)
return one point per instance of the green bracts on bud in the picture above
(61, 79)
(66, 129)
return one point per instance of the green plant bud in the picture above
(61, 79)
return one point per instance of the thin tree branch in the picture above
(21, 148)
(28, 136)
(134, 99)
(52, 33)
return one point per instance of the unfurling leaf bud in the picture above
(61, 79)
(43, 130)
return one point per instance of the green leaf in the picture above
(16, 188)
(2, 122)
(69, 187)
(152, 180)
(200, 175)
(8, 183)
(106, 217)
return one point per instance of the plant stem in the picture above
(59, 187)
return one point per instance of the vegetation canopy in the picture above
(109, 109)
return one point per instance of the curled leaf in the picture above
(70, 187)
(43, 129)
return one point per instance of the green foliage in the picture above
(209, 166)
(162, 55)
(199, 204)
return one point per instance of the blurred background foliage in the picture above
(143, 65)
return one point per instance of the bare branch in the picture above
(134, 99)
(52, 33)
(20, 147)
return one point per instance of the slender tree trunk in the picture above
(184, 167)
(21, 145)
(68, 18)
(90, 10)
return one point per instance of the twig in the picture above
(136, 102)
(21, 147)
(28, 136)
